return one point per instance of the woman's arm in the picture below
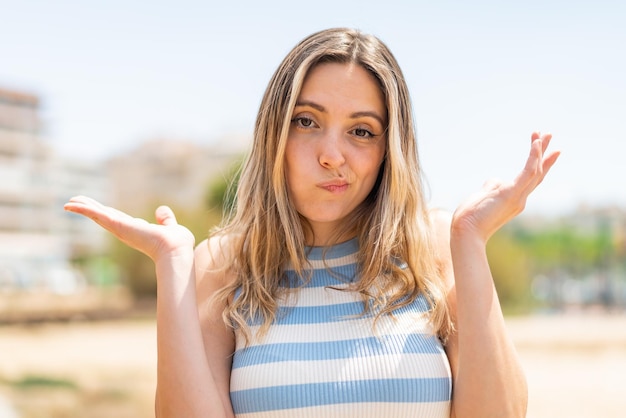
(194, 345)
(187, 384)
(219, 339)
(488, 378)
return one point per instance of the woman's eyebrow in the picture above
(366, 113)
(309, 103)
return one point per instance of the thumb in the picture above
(165, 216)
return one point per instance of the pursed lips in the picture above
(334, 186)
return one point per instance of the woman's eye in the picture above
(362, 133)
(303, 122)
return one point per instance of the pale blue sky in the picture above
(483, 75)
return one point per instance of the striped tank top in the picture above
(321, 359)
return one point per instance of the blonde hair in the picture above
(265, 233)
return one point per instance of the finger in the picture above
(533, 164)
(105, 216)
(81, 201)
(93, 209)
(545, 142)
(165, 216)
(538, 163)
(548, 162)
(84, 206)
(535, 135)
(80, 198)
(545, 139)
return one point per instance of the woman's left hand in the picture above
(498, 202)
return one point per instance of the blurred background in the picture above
(145, 103)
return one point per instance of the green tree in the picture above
(510, 267)
(221, 192)
(564, 247)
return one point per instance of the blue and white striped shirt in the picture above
(321, 358)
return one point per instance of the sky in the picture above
(483, 76)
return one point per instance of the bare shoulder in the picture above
(212, 254)
(212, 258)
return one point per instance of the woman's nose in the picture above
(331, 153)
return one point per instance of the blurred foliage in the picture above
(100, 270)
(510, 267)
(567, 248)
(221, 193)
(42, 381)
(519, 252)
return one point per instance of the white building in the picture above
(37, 238)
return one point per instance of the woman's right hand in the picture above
(499, 202)
(166, 238)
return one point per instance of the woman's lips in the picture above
(334, 186)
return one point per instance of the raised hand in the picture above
(165, 238)
(498, 202)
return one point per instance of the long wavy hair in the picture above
(265, 233)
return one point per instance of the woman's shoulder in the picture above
(213, 258)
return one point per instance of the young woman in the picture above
(332, 289)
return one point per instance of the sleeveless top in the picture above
(322, 359)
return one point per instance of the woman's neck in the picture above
(325, 237)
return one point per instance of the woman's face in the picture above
(336, 144)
